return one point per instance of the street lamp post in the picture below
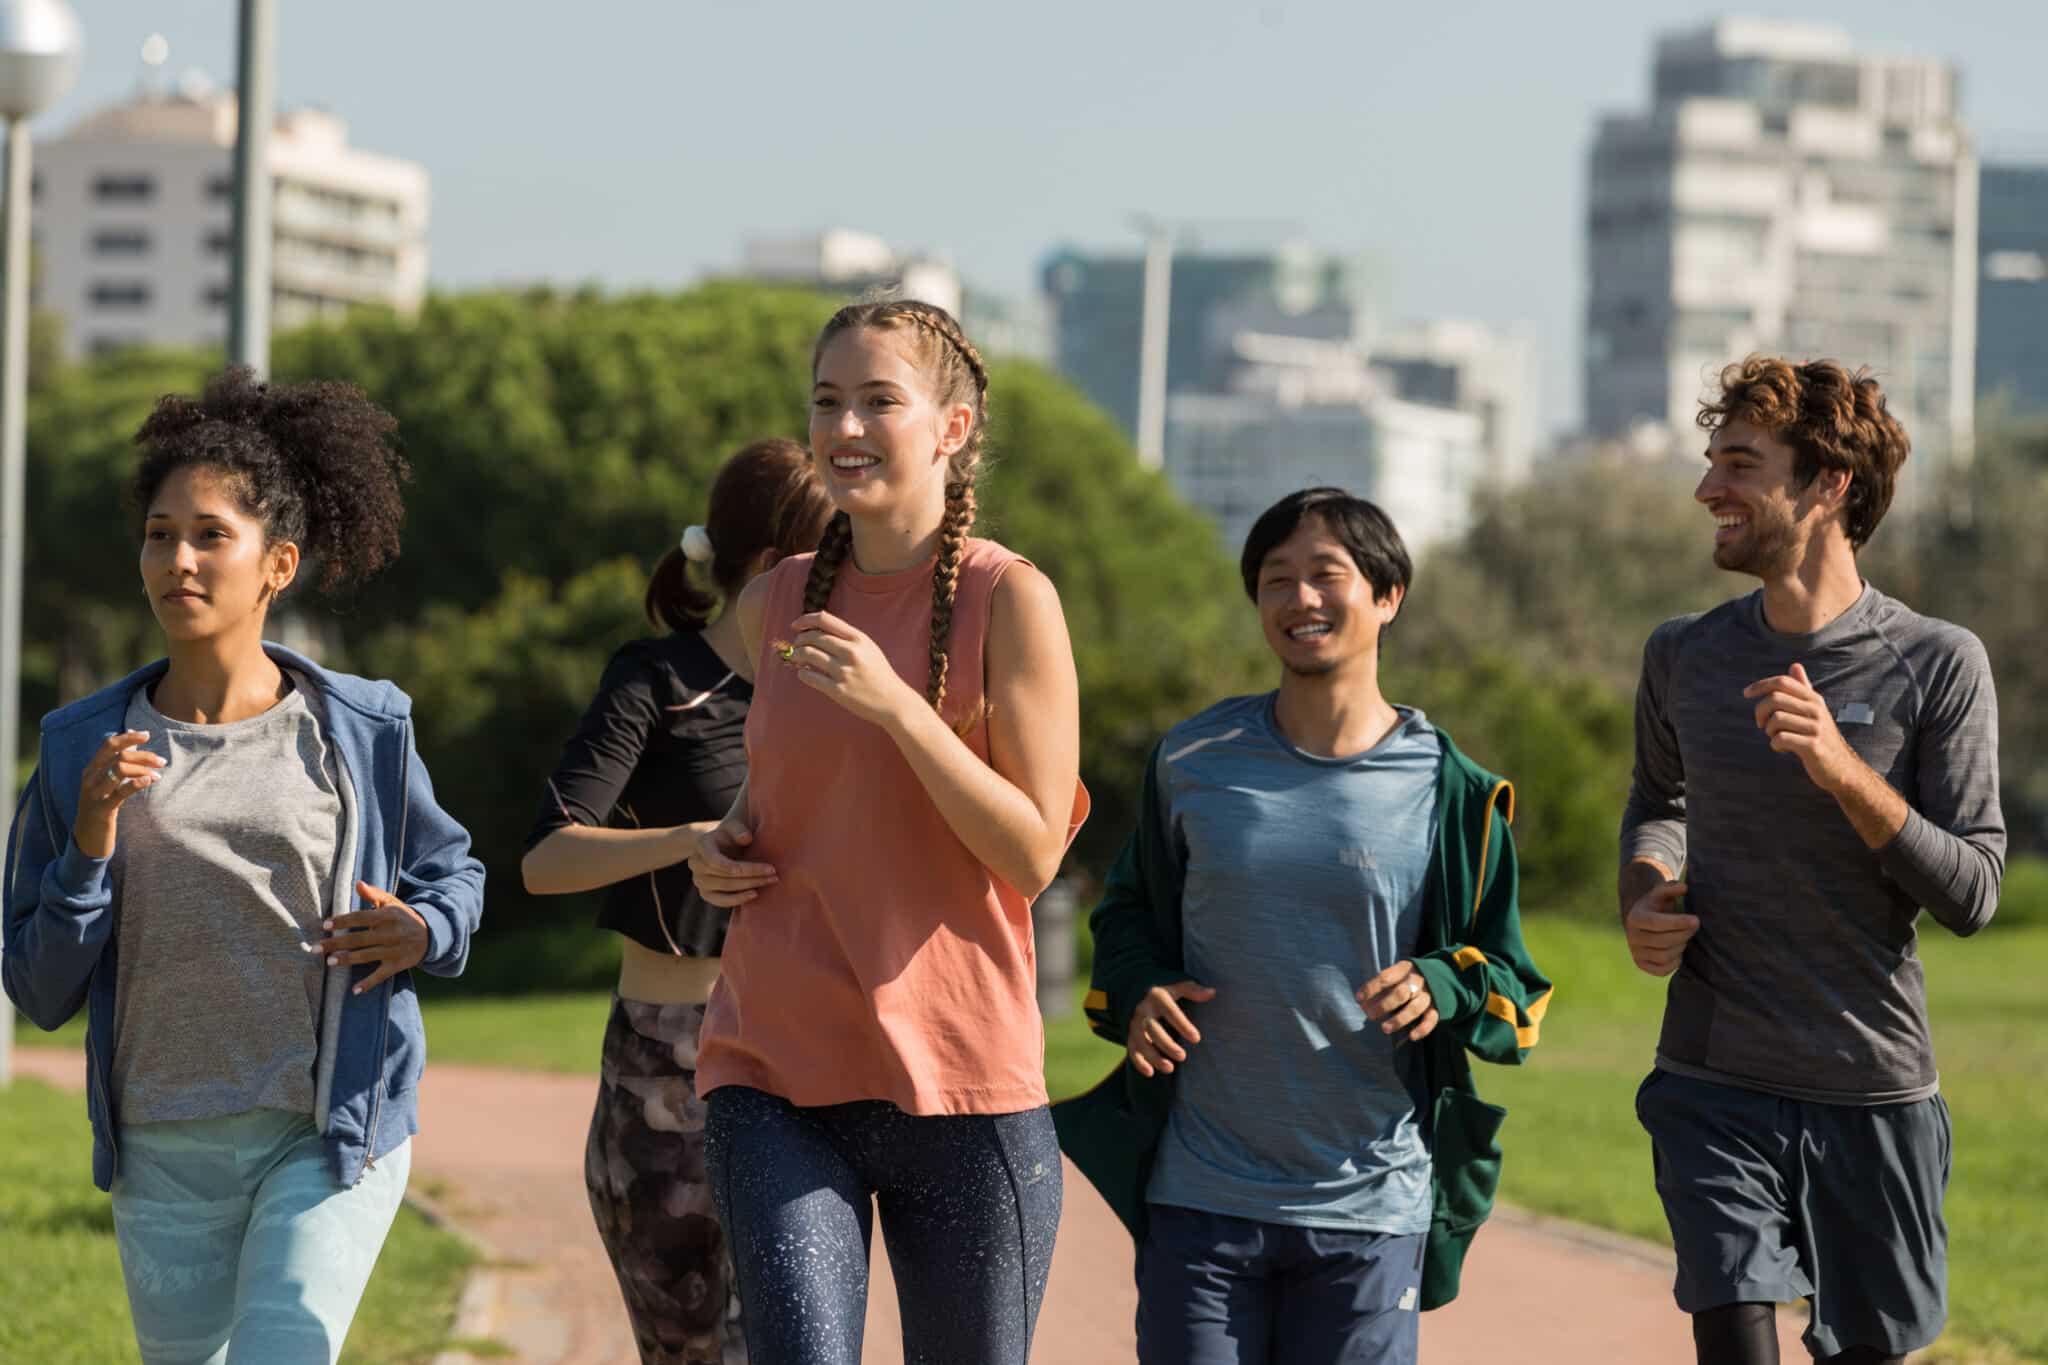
(1156, 312)
(1152, 337)
(249, 286)
(39, 49)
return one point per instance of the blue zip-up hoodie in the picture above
(60, 910)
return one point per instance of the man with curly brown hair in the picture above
(1820, 763)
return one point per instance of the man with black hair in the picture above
(1821, 764)
(1313, 922)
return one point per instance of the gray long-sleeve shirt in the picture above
(1804, 978)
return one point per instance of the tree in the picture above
(1570, 571)
(1973, 551)
(549, 431)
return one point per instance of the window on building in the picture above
(220, 187)
(214, 296)
(124, 188)
(122, 294)
(1836, 84)
(120, 242)
(220, 242)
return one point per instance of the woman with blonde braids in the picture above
(913, 754)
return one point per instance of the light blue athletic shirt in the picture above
(1305, 878)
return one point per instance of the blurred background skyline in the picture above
(1445, 150)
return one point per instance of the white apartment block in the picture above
(1472, 367)
(1303, 413)
(133, 223)
(843, 261)
(1787, 194)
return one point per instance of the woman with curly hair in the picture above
(655, 763)
(231, 860)
(912, 756)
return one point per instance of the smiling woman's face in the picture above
(879, 433)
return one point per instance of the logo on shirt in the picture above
(1856, 713)
(1362, 858)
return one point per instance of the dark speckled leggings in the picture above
(969, 1207)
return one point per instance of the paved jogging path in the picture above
(500, 1154)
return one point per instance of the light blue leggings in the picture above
(236, 1243)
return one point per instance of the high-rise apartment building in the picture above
(2012, 291)
(1299, 412)
(133, 223)
(1476, 369)
(1786, 193)
(1098, 304)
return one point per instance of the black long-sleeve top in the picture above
(662, 743)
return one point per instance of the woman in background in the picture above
(656, 760)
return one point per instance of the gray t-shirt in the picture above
(223, 870)
(1803, 979)
(1305, 878)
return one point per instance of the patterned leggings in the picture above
(644, 1169)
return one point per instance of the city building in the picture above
(1278, 378)
(1789, 194)
(843, 261)
(1300, 412)
(133, 223)
(853, 264)
(1473, 368)
(2012, 291)
(1097, 303)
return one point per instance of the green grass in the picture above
(60, 1276)
(561, 1032)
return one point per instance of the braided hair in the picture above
(316, 463)
(958, 375)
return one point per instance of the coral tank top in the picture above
(886, 963)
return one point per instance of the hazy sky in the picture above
(636, 142)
